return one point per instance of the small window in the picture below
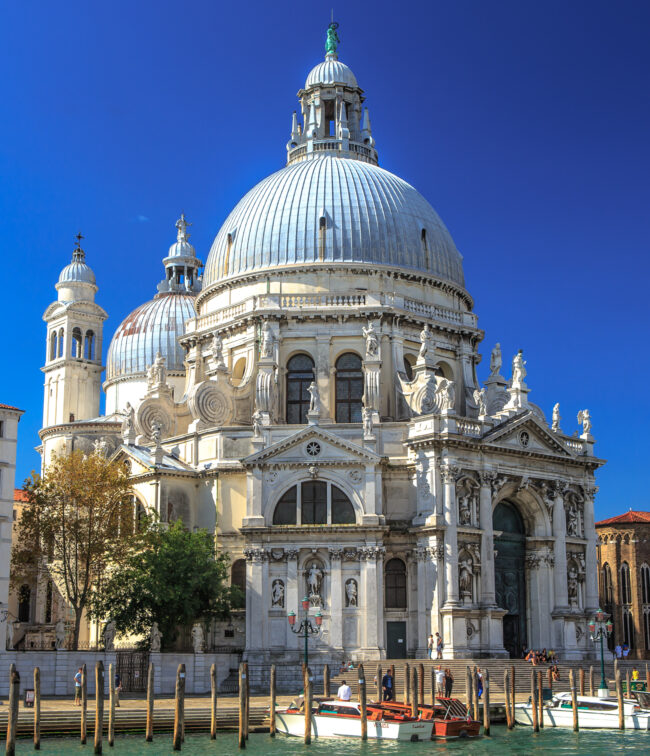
(89, 351)
(626, 588)
(314, 502)
(300, 373)
(53, 345)
(349, 388)
(77, 351)
(238, 578)
(645, 581)
(409, 362)
(60, 348)
(24, 603)
(628, 628)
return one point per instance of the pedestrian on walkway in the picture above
(439, 646)
(77, 688)
(387, 685)
(449, 682)
(118, 688)
(344, 693)
(440, 681)
(479, 681)
(431, 646)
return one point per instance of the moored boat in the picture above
(593, 713)
(342, 719)
(449, 717)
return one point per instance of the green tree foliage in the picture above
(78, 518)
(174, 577)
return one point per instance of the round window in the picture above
(313, 448)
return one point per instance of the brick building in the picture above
(624, 579)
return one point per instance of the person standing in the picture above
(439, 646)
(77, 688)
(449, 682)
(440, 681)
(344, 692)
(618, 651)
(479, 681)
(118, 688)
(387, 685)
(431, 645)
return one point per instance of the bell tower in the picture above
(73, 351)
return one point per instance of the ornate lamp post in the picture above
(598, 630)
(305, 628)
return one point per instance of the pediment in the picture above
(57, 309)
(313, 446)
(525, 433)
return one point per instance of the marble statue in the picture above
(100, 446)
(155, 637)
(584, 419)
(157, 373)
(59, 634)
(109, 636)
(217, 349)
(156, 432)
(314, 403)
(372, 341)
(197, 638)
(518, 369)
(465, 511)
(257, 424)
(572, 521)
(367, 421)
(480, 398)
(277, 593)
(314, 580)
(128, 425)
(426, 342)
(465, 578)
(495, 360)
(556, 418)
(447, 391)
(572, 587)
(351, 592)
(266, 348)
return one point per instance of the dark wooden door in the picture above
(396, 640)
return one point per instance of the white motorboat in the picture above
(593, 713)
(342, 719)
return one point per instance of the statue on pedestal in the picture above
(197, 638)
(372, 341)
(495, 360)
(556, 418)
(155, 637)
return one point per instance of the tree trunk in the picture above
(75, 631)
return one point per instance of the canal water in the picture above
(521, 741)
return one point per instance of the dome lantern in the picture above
(181, 264)
(77, 280)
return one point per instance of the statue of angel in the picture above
(584, 419)
(556, 418)
(447, 391)
(426, 340)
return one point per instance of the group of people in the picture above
(621, 652)
(444, 681)
(435, 646)
(77, 687)
(539, 657)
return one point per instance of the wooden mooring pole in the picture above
(308, 703)
(421, 683)
(533, 700)
(150, 699)
(619, 696)
(272, 701)
(581, 672)
(591, 680)
(574, 700)
(84, 706)
(486, 702)
(414, 695)
(513, 693)
(37, 709)
(12, 714)
(468, 691)
(407, 684)
(242, 706)
(179, 707)
(380, 692)
(99, 706)
(326, 681)
(510, 720)
(540, 696)
(364, 703)
(111, 706)
(475, 705)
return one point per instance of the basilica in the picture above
(311, 394)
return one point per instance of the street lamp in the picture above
(305, 628)
(598, 630)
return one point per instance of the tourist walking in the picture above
(449, 682)
(439, 646)
(440, 681)
(77, 688)
(387, 685)
(479, 681)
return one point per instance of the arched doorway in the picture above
(510, 575)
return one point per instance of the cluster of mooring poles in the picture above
(414, 695)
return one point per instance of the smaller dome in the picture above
(77, 272)
(181, 249)
(331, 71)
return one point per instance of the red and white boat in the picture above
(449, 717)
(342, 719)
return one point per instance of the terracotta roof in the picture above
(9, 407)
(625, 518)
(20, 495)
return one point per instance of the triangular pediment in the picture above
(142, 460)
(527, 434)
(313, 445)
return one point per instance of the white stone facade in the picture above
(333, 431)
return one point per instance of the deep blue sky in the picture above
(526, 125)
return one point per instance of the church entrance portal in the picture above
(510, 575)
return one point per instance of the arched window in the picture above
(314, 502)
(395, 584)
(409, 364)
(607, 586)
(53, 345)
(349, 388)
(77, 348)
(628, 628)
(300, 373)
(238, 579)
(90, 345)
(24, 603)
(645, 583)
(626, 588)
(60, 350)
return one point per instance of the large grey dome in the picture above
(368, 216)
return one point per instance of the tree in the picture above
(79, 516)
(174, 577)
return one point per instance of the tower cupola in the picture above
(181, 264)
(77, 280)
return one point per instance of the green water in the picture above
(502, 742)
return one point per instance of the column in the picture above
(424, 599)
(336, 599)
(325, 377)
(488, 596)
(437, 551)
(292, 604)
(559, 550)
(591, 553)
(449, 473)
(370, 569)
